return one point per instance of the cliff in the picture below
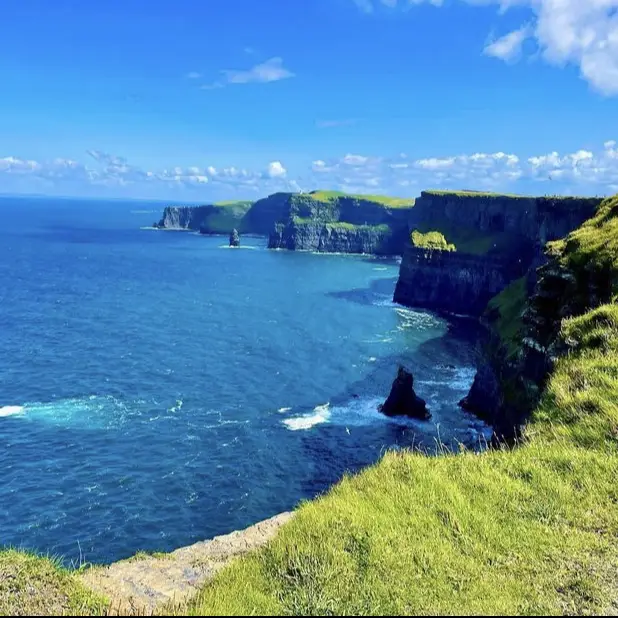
(326, 221)
(492, 240)
(339, 223)
(526, 336)
(302, 235)
(220, 218)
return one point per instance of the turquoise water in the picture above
(158, 388)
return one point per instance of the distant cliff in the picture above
(298, 235)
(338, 223)
(220, 218)
(326, 221)
(493, 240)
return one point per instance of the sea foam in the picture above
(11, 410)
(321, 414)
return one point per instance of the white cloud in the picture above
(194, 75)
(355, 160)
(582, 33)
(582, 170)
(508, 47)
(270, 71)
(435, 164)
(276, 170)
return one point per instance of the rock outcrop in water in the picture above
(403, 401)
(234, 239)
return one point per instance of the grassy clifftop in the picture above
(384, 200)
(225, 216)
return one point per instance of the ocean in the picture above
(158, 388)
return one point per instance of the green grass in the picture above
(476, 194)
(226, 216)
(595, 244)
(384, 200)
(35, 586)
(505, 314)
(433, 241)
(341, 225)
(468, 240)
(239, 203)
(524, 532)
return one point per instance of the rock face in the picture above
(485, 398)
(318, 221)
(341, 224)
(336, 238)
(210, 219)
(403, 401)
(497, 238)
(234, 239)
(183, 217)
(509, 382)
(449, 281)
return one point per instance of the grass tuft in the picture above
(434, 241)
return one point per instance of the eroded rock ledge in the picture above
(143, 584)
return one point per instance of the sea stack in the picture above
(403, 401)
(234, 239)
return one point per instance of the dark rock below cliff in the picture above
(234, 239)
(403, 401)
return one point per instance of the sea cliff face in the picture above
(496, 240)
(449, 281)
(220, 218)
(341, 224)
(333, 238)
(524, 323)
(183, 217)
(324, 221)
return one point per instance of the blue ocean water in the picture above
(158, 388)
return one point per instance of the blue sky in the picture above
(238, 98)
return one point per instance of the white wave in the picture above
(355, 413)
(321, 414)
(11, 410)
(241, 247)
(363, 412)
(148, 227)
(90, 411)
(177, 407)
(372, 359)
(380, 268)
(283, 410)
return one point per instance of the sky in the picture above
(207, 100)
